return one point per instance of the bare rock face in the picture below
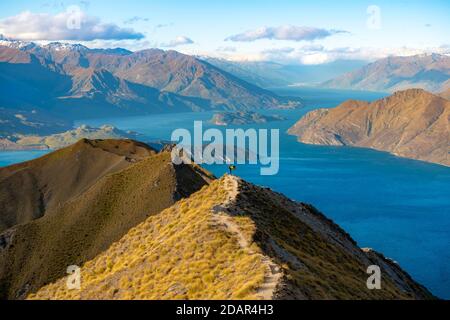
(411, 123)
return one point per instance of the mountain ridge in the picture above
(267, 74)
(54, 178)
(83, 208)
(238, 245)
(65, 78)
(430, 72)
(411, 123)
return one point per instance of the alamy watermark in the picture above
(74, 19)
(73, 281)
(232, 147)
(374, 17)
(374, 281)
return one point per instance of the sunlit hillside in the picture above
(233, 240)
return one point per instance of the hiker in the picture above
(231, 168)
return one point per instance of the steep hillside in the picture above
(427, 71)
(26, 83)
(36, 121)
(446, 93)
(185, 75)
(29, 189)
(233, 240)
(100, 89)
(411, 123)
(87, 215)
(73, 82)
(34, 83)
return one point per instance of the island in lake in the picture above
(19, 142)
(242, 118)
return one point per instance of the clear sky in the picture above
(280, 30)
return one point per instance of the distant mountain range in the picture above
(430, 72)
(411, 123)
(73, 81)
(268, 74)
(141, 227)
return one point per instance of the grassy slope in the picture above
(86, 225)
(29, 189)
(319, 260)
(189, 251)
(177, 254)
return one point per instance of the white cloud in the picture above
(178, 41)
(287, 32)
(75, 25)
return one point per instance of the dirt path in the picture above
(221, 217)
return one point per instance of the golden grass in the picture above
(328, 271)
(188, 252)
(177, 254)
(80, 229)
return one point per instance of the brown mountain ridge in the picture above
(72, 204)
(411, 123)
(234, 240)
(75, 82)
(430, 72)
(142, 228)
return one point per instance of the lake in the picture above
(397, 206)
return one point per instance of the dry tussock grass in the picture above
(177, 254)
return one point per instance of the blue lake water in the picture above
(397, 206)
(10, 157)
